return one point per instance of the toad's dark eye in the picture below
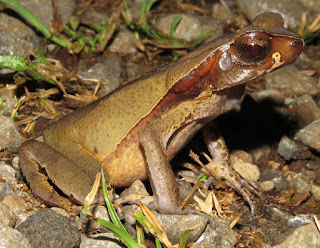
(253, 49)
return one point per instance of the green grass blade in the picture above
(113, 215)
(123, 235)
(174, 25)
(13, 62)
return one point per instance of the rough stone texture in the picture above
(10, 138)
(105, 240)
(107, 71)
(287, 148)
(307, 236)
(289, 81)
(248, 171)
(307, 110)
(8, 173)
(11, 238)
(46, 228)
(291, 10)
(310, 135)
(189, 27)
(221, 236)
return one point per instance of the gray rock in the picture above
(44, 9)
(123, 42)
(106, 240)
(306, 110)
(287, 148)
(276, 177)
(300, 182)
(307, 236)
(8, 173)
(7, 218)
(108, 72)
(10, 138)
(46, 228)
(189, 27)
(291, 10)
(11, 238)
(221, 236)
(310, 135)
(299, 220)
(291, 82)
(5, 189)
(176, 225)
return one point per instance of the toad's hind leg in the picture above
(220, 163)
(43, 167)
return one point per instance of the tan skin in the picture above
(134, 132)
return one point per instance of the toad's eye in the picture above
(253, 49)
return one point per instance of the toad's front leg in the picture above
(220, 163)
(164, 186)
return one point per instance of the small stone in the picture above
(266, 186)
(310, 135)
(175, 225)
(7, 218)
(315, 190)
(221, 236)
(5, 189)
(189, 27)
(18, 206)
(8, 173)
(276, 177)
(107, 71)
(101, 240)
(10, 137)
(11, 238)
(287, 148)
(240, 155)
(291, 82)
(301, 183)
(248, 171)
(46, 228)
(306, 111)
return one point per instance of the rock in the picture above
(46, 228)
(310, 135)
(307, 236)
(189, 27)
(240, 155)
(10, 137)
(16, 37)
(299, 220)
(248, 171)
(107, 240)
(123, 43)
(291, 10)
(221, 236)
(289, 81)
(107, 71)
(266, 186)
(288, 148)
(8, 173)
(315, 190)
(301, 183)
(276, 176)
(18, 206)
(98, 212)
(175, 225)
(11, 238)
(5, 189)
(44, 9)
(7, 218)
(306, 111)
